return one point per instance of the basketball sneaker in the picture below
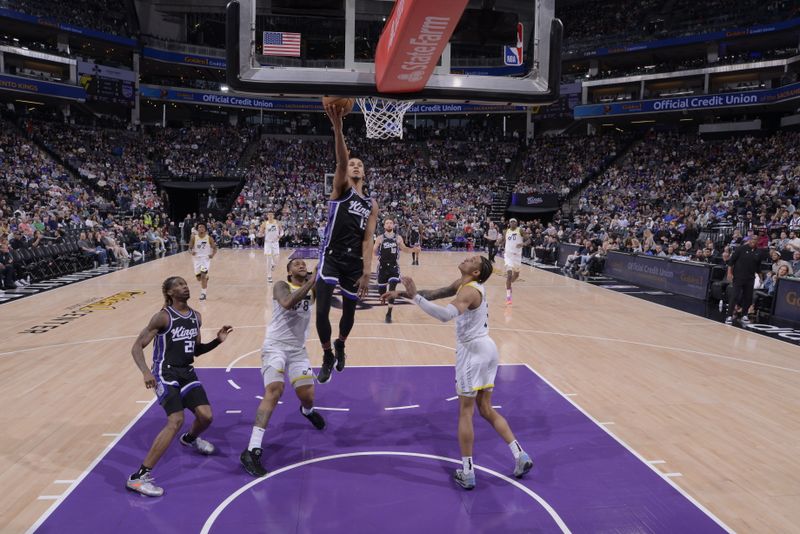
(338, 347)
(202, 296)
(315, 418)
(729, 320)
(465, 480)
(508, 301)
(523, 465)
(328, 359)
(145, 484)
(251, 461)
(199, 444)
(745, 319)
(388, 318)
(269, 279)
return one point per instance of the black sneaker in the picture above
(251, 461)
(315, 418)
(388, 319)
(328, 359)
(338, 346)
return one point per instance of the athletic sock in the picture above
(508, 293)
(143, 470)
(307, 412)
(466, 461)
(202, 291)
(188, 438)
(516, 448)
(256, 437)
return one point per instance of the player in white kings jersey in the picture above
(476, 358)
(272, 234)
(284, 355)
(203, 249)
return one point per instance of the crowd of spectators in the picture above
(49, 216)
(686, 198)
(560, 164)
(600, 23)
(118, 162)
(110, 16)
(200, 151)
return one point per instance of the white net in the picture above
(384, 117)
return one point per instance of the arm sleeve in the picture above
(202, 348)
(443, 313)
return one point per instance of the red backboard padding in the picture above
(412, 42)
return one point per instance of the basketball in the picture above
(346, 104)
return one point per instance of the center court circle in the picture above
(384, 492)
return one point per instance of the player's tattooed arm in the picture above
(442, 292)
(287, 298)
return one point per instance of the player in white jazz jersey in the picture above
(476, 358)
(284, 355)
(203, 249)
(272, 234)
(513, 242)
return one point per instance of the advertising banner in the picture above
(41, 87)
(682, 278)
(185, 59)
(687, 103)
(535, 200)
(564, 250)
(787, 300)
(172, 94)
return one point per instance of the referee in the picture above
(742, 268)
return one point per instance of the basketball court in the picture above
(638, 417)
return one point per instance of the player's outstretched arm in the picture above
(158, 322)
(287, 298)
(191, 244)
(465, 299)
(335, 114)
(222, 335)
(377, 247)
(213, 247)
(442, 292)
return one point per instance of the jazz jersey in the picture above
(271, 232)
(473, 324)
(291, 326)
(202, 246)
(513, 238)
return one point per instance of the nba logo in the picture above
(512, 55)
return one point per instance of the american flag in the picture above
(281, 44)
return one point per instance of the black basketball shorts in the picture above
(178, 388)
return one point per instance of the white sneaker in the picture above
(199, 444)
(522, 465)
(729, 320)
(146, 485)
(745, 319)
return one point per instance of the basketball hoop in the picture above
(384, 117)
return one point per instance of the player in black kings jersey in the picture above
(346, 251)
(414, 239)
(176, 330)
(387, 248)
